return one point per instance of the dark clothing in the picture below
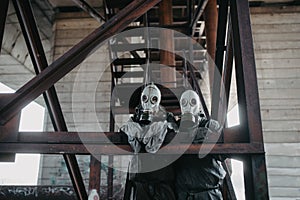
(153, 191)
(154, 185)
(157, 184)
(198, 179)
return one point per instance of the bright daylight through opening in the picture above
(25, 165)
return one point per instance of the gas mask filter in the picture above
(150, 100)
(190, 107)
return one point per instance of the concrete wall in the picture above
(277, 50)
(15, 64)
(84, 95)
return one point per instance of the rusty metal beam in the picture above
(90, 137)
(211, 20)
(259, 175)
(239, 69)
(110, 177)
(65, 140)
(99, 148)
(255, 177)
(244, 58)
(39, 61)
(255, 166)
(220, 48)
(95, 174)
(89, 9)
(3, 14)
(73, 57)
(167, 58)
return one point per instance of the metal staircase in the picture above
(128, 60)
(244, 142)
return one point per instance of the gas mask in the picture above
(190, 107)
(150, 100)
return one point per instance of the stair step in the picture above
(179, 46)
(140, 74)
(182, 28)
(126, 88)
(127, 62)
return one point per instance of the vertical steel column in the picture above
(36, 51)
(240, 84)
(244, 58)
(95, 174)
(211, 22)
(110, 177)
(256, 185)
(220, 49)
(255, 165)
(3, 14)
(167, 57)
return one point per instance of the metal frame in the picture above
(60, 67)
(244, 142)
(38, 58)
(47, 76)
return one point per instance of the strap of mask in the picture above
(184, 74)
(147, 72)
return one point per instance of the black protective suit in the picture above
(154, 185)
(198, 179)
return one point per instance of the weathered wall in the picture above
(277, 50)
(84, 95)
(15, 64)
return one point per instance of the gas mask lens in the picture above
(144, 98)
(154, 100)
(193, 102)
(184, 102)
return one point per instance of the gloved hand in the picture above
(214, 126)
(155, 136)
(135, 134)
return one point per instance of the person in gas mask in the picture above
(197, 178)
(146, 132)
